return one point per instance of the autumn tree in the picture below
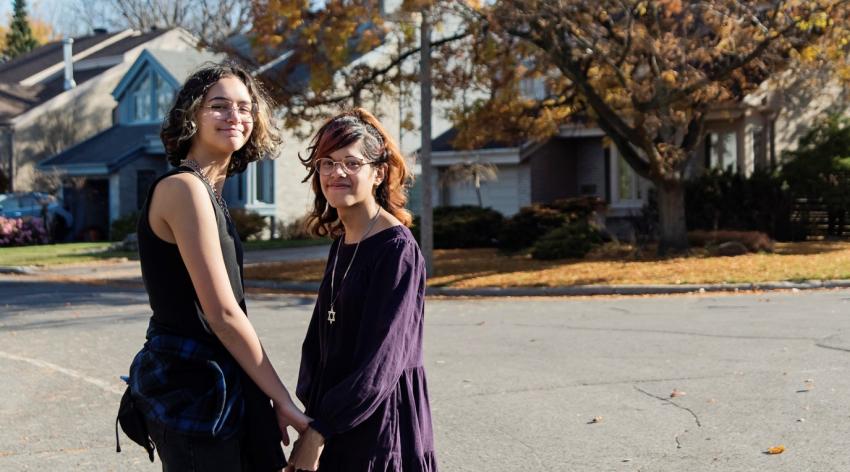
(19, 37)
(646, 72)
(324, 68)
(350, 53)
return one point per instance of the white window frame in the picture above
(639, 185)
(723, 161)
(156, 84)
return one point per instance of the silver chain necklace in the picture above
(193, 164)
(331, 312)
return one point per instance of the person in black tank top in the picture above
(202, 382)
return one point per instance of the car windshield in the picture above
(27, 201)
(9, 202)
(21, 201)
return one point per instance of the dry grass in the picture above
(473, 268)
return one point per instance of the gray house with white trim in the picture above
(581, 161)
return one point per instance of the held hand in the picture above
(287, 414)
(290, 467)
(307, 451)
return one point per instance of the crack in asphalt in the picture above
(667, 400)
(531, 448)
(822, 344)
(679, 444)
(671, 402)
(579, 385)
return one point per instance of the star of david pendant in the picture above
(331, 315)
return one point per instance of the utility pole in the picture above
(426, 236)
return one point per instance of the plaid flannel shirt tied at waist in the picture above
(187, 387)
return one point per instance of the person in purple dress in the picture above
(362, 379)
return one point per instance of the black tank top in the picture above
(176, 309)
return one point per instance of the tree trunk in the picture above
(671, 215)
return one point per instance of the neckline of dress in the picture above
(372, 236)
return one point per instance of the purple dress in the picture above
(362, 377)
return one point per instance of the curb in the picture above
(18, 270)
(586, 290)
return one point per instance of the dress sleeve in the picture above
(310, 348)
(309, 359)
(394, 302)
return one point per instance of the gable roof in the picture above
(443, 143)
(42, 57)
(128, 43)
(173, 66)
(17, 98)
(110, 149)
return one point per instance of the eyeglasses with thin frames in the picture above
(223, 110)
(350, 165)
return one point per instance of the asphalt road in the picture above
(515, 383)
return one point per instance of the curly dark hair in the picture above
(179, 125)
(378, 148)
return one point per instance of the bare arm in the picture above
(181, 206)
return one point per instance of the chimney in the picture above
(67, 44)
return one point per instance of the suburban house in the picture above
(60, 93)
(580, 161)
(83, 116)
(107, 176)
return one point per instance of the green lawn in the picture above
(54, 254)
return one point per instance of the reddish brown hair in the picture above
(378, 148)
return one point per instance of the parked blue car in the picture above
(37, 204)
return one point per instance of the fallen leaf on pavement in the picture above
(776, 450)
(677, 393)
(596, 419)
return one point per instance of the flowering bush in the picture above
(22, 231)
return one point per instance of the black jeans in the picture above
(182, 453)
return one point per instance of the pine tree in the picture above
(19, 39)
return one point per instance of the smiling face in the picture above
(343, 190)
(224, 118)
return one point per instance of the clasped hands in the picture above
(308, 448)
(306, 451)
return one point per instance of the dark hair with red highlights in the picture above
(378, 148)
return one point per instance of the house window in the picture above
(628, 183)
(759, 137)
(164, 95)
(141, 99)
(264, 175)
(150, 99)
(532, 88)
(144, 180)
(723, 151)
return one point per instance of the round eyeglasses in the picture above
(223, 111)
(350, 165)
